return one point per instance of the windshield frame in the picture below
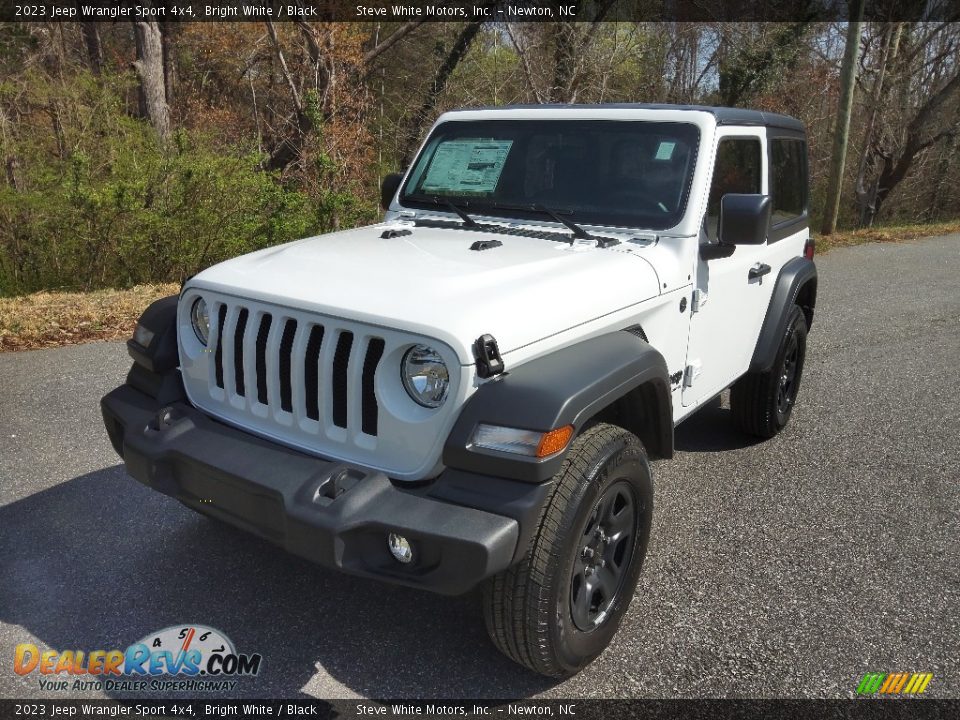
(478, 207)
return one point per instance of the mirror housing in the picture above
(744, 219)
(388, 188)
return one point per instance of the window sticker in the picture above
(665, 150)
(466, 166)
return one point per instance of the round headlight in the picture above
(425, 376)
(200, 319)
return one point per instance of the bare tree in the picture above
(457, 52)
(91, 39)
(149, 68)
(917, 110)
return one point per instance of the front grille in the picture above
(262, 358)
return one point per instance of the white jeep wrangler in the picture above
(469, 391)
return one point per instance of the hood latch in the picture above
(487, 354)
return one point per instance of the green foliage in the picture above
(103, 204)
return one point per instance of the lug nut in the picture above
(587, 553)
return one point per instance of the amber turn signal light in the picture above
(554, 441)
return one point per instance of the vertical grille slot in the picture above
(368, 423)
(218, 355)
(238, 351)
(341, 359)
(312, 379)
(262, 334)
(311, 372)
(286, 348)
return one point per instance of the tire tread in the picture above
(514, 600)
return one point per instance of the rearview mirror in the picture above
(388, 188)
(744, 219)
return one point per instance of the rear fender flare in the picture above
(796, 285)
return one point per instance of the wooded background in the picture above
(138, 152)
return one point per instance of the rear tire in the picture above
(559, 608)
(763, 402)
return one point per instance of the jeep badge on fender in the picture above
(468, 392)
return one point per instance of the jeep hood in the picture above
(430, 282)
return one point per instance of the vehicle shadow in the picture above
(712, 429)
(98, 562)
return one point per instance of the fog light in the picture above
(400, 548)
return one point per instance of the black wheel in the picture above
(559, 608)
(762, 402)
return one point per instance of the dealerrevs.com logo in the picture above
(178, 658)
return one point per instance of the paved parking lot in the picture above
(785, 568)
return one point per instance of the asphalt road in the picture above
(785, 568)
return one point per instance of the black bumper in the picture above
(463, 527)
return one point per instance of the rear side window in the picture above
(736, 170)
(788, 179)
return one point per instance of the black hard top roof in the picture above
(724, 115)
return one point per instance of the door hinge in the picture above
(691, 372)
(698, 300)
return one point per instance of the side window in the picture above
(788, 179)
(736, 170)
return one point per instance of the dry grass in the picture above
(49, 319)
(892, 233)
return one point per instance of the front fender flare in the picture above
(566, 387)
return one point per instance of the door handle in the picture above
(758, 271)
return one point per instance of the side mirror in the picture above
(388, 188)
(744, 219)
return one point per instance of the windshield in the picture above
(599, 172)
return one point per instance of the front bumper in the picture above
(463, 527)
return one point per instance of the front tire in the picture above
(560, 607)
(762, 403)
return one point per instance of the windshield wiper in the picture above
(442, 201)
(467, 220)
(553, 214)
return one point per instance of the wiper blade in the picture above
(553, 214)
(578, 232)
(467, 220)
(442, 201)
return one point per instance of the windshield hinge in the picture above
(697, 301)
(487, 354)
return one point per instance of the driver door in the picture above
(729, 301)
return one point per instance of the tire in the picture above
(763, 402)
(542, 613)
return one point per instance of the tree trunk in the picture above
(13, 180)
(289, 148)
(564, 47)
(848, 78)
(149, 67)
(865, 195)
(947, 155)
(91, 38)
(456, 54)
(167, 32)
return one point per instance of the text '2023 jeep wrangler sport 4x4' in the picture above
(469, 391)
